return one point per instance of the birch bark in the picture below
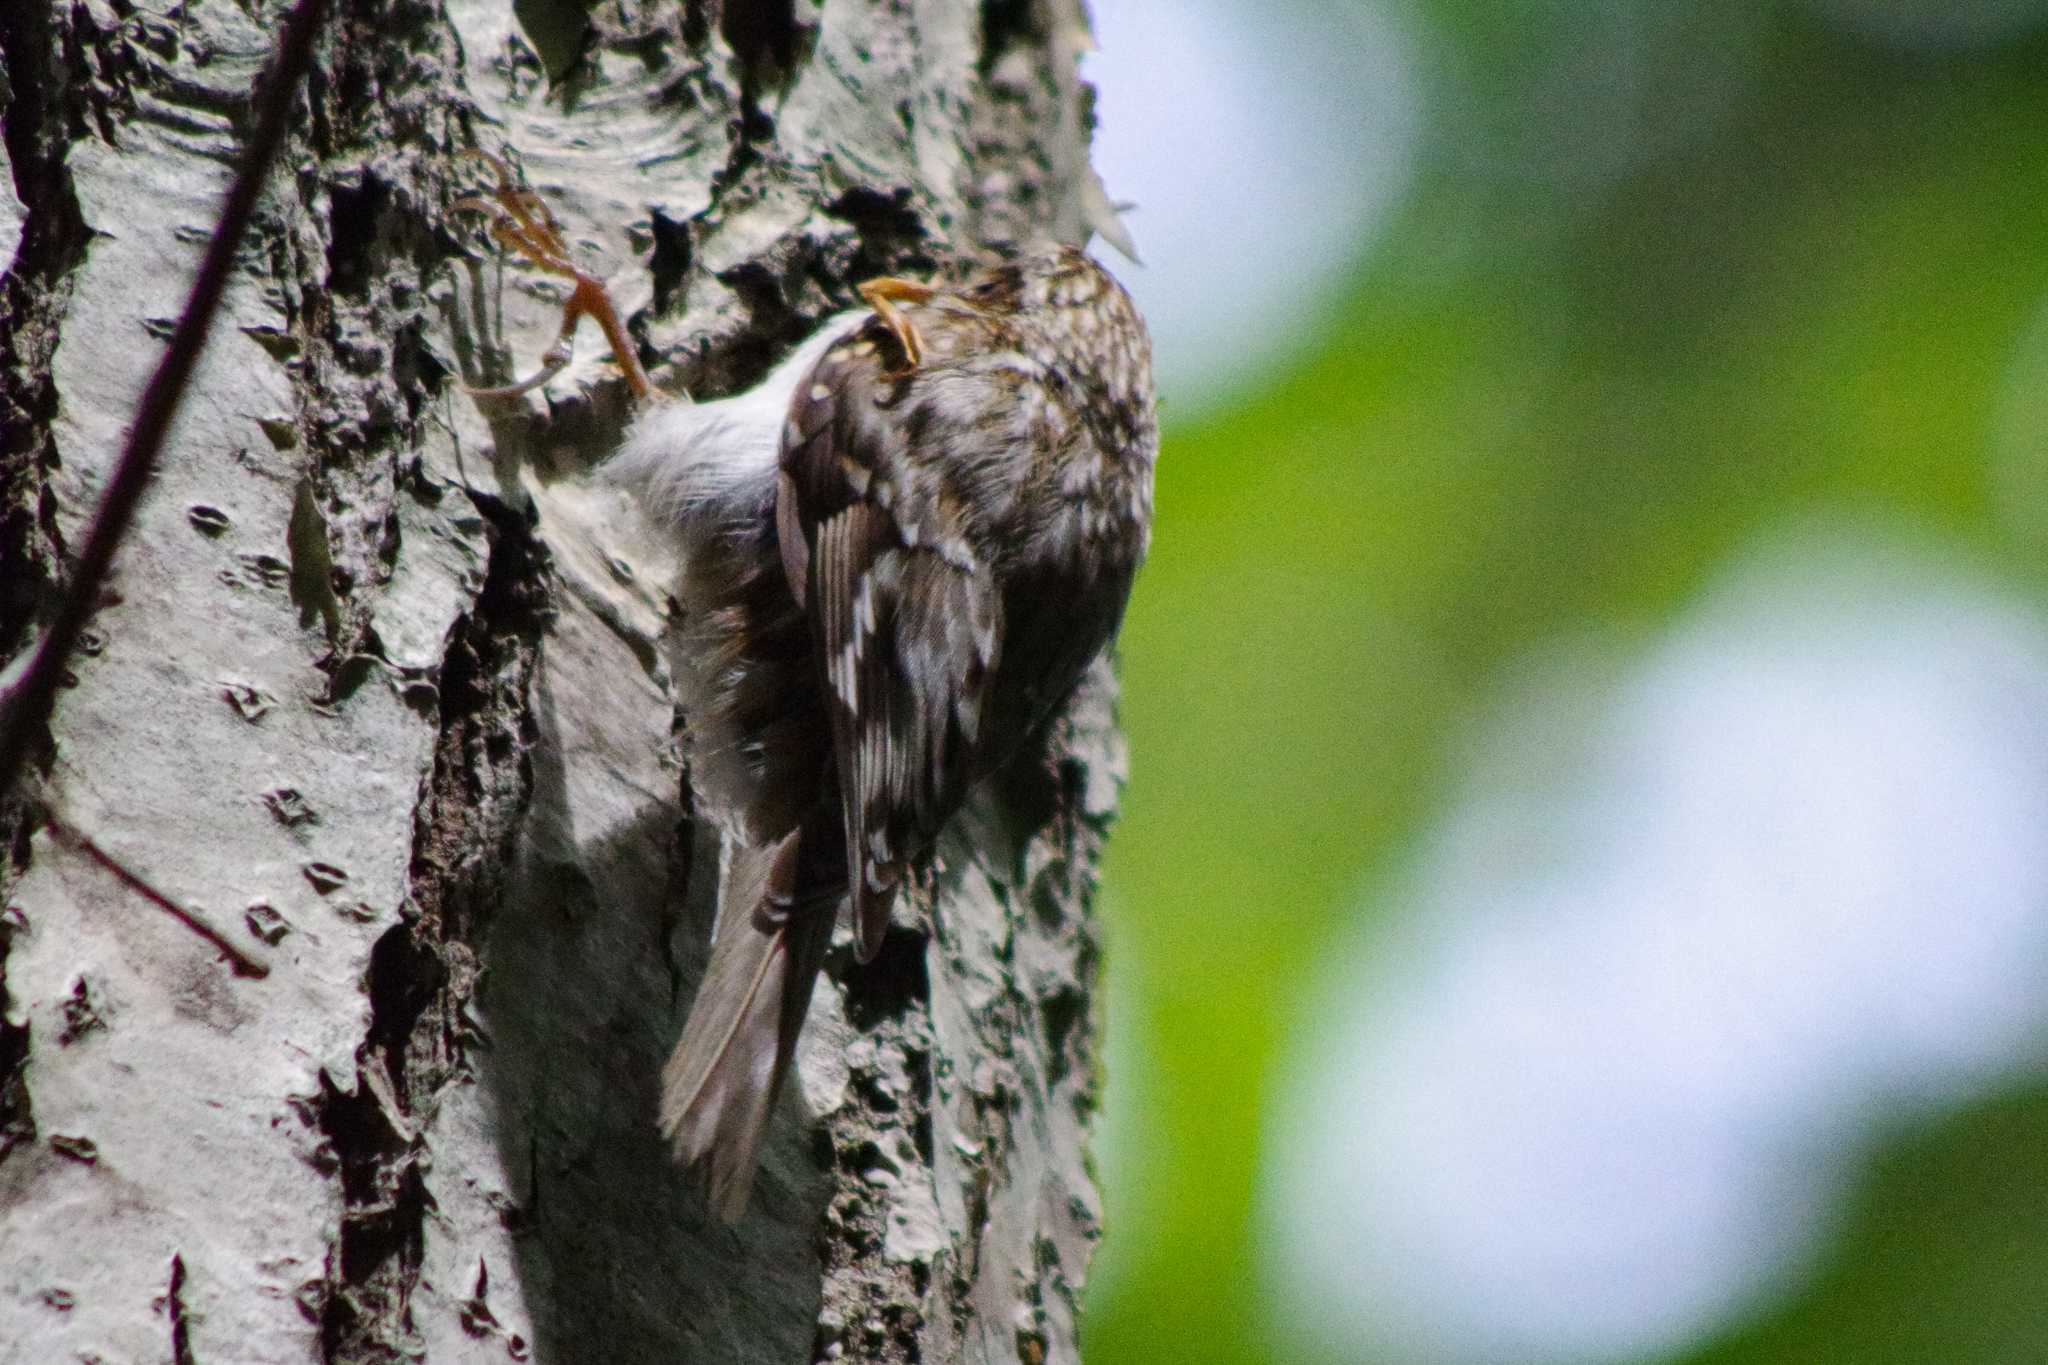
(380, 695)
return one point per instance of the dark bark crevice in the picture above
(17, 1112)
(424, 970)
(769, 40)
(1007, 25)
(45, 72)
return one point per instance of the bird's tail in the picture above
(720, 1085)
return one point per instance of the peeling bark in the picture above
(380, 698)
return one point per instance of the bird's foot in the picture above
(521, 222)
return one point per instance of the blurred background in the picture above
(1583, 895)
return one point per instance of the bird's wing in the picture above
(908, 626)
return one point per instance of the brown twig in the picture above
(25, 710)
(238, 958)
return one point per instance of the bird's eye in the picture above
(997, 286)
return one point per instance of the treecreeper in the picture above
(900, 552)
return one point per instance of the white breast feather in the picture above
(700, 471)
(692, 463)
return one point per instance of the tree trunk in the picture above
(379, 697)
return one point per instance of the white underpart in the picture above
(700, 471)
(688, 459)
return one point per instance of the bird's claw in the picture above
(552, 362)
(520, 220)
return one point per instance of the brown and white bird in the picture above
(901, 551)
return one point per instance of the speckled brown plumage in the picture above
(890, 590)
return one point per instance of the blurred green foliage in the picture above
(1940, 1257)
(1547, 400)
